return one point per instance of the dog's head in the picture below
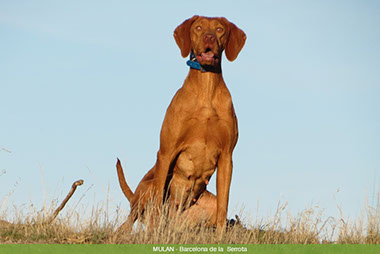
(208, 37)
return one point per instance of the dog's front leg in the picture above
(223, 181)
(160, 176)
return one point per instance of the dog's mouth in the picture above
(207, 57)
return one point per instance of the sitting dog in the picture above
(199, 131)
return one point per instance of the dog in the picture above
(199, 132)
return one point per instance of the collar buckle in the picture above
(193, 63)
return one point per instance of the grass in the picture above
(74, 227)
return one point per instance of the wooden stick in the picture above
(72, 190)
(5, 150)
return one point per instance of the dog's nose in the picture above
(209, 38)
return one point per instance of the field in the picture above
(96, 225)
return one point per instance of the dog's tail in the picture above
(123, 184)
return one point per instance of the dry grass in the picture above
(73, 226)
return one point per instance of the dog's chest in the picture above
(203, 138)
(207, 125)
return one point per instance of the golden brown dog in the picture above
(199, 131)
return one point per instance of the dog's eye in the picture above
(198, 28)
(219, 29)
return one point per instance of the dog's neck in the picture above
(203, 84)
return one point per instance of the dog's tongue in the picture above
(207, 56)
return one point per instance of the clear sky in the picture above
(84, 82)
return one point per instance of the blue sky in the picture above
(84, 82)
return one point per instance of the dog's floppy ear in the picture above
(235, 43)
(182, 36)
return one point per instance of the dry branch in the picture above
(5, 150)
(72, 190)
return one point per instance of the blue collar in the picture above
(193, 63)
